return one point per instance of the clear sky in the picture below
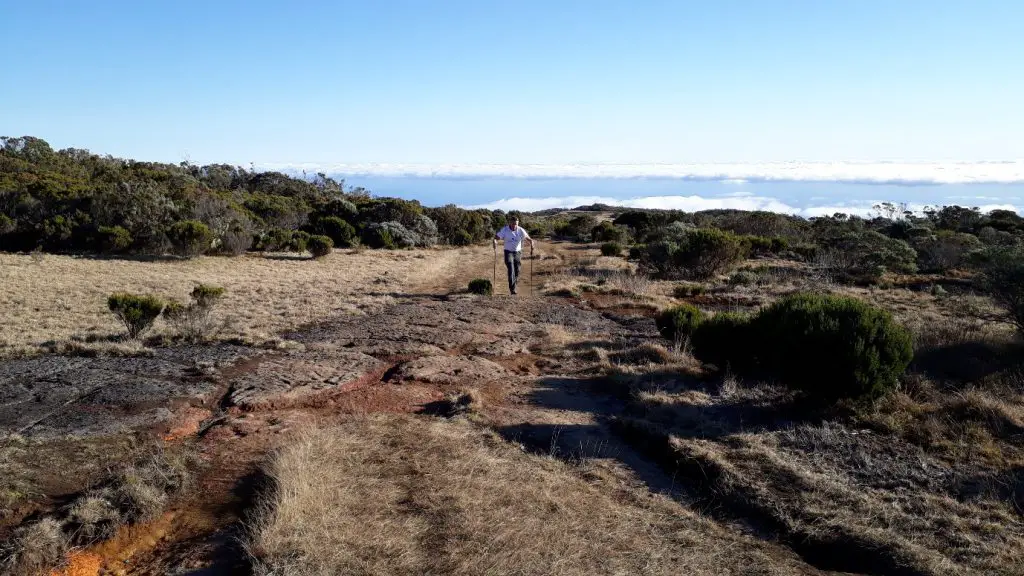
(543, 81)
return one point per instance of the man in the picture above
(513, 235)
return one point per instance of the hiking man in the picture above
(513, 234)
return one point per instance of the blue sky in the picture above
(517, 82)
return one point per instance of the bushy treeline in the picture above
(680, 245)
(74, 201)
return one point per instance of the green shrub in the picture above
(611, 249)
(687, 290)
(678, 323)
(319, 246)
(275, 240)
(341, 233)
(462, 238)
(190, 237)
(832, 347)
(298, 241)
(113, 238)
(725, 340)
(696, 254)
(743, 278)
(136, 312)
(481, 286)
(636, 252)
(608, 232)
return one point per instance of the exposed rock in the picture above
(448, 370)
(285, 380)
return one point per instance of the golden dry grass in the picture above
(411, 495)
(62, 299)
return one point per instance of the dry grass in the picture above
(407, 495)
(61, 300)
(138, 491)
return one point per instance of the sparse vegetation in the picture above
(194, 321)
(611, 249)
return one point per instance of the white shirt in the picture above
(513, 238)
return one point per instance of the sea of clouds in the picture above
(744, 201)
(901, 173)
(751, 186)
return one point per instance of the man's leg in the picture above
(517, 258)
(512, 271)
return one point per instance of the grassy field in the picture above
(59, 302)
(408, 495)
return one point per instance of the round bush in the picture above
(832, 347)
(481, 286)
(678, 322)
(137, 313)
(319, 246)
(611, 249)
(339, 231)
(190, 237)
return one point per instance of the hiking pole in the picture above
(531, 270)
(494, 261)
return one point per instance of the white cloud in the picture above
(907, 173)
(697, 203)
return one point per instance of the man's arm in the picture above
(526, 236)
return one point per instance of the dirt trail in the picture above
(433, 341)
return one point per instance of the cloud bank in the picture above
(900, 173)
(696, 203)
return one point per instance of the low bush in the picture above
(828, 347)
(678, 323)
(608, 232)
(611, 249)
(113, 238)
(136, 312)
(299, 241)
(743, 278)
(389, 235)
(319, 246)
(696, 254)
(190, 237)
(832, 347)
(1003, 278)
(274, 240)
(725, 341)
(341, 233)
(688, 290)
(462, 238)
(481, 286)
(194, 321)
(636, 252)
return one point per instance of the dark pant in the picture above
(512, 261)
